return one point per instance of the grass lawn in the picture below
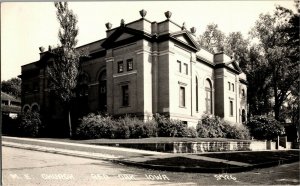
(188, 162)
(257, 157)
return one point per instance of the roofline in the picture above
(90, 43)
(29, 63)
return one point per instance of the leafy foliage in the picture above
(212, 39)
(281, 59)
(30, 124)
(210, 127)
(95, 126)
(170, 127)
(192, 132)
(236, 131)
(236, 46)
(270, 60)
(12, 87)
(214, 127)
(63, 72)
(265, 128)
(98, 126)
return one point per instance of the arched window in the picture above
(35, 108)
(26, 108)
(208, 96)
(197, 106)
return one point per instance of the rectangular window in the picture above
(125, 96)
(186, 68)
(232, 87)
(179, 66)
(228, 85)
(182, 97)
(231, 108)
(120, 67)
(129, 64)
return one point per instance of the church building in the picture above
(146, 67)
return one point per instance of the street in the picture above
(26, 167)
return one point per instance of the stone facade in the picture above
(143, 68)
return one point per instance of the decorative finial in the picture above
(42, 49)
(168, 14)
(108, 25)
(193, 30)
(49, 48)
(143, 13)
(183, 26)
(122, 22)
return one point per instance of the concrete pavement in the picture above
(128, 156)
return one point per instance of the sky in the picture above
(26, 26)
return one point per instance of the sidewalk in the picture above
(208, 162)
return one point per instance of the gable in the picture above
(184, 38)
(233, 65)
(124, 36)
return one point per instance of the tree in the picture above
(258, 77)
(12, 87)
(212, 39)
(63, 72)
(281, 59)
(236, 46)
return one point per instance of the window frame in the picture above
(231, 108)
(129, 61)
(120, 64)
(186, 68)
(182, 94)
(179, 67)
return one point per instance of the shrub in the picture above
(149, 129)
(165, 127)
(264, 128)
(95, 126)
(236, 131)
(215, 127)
(30, 124)
(210, 127)
(125, 126)
(170, 127)
(191, 132)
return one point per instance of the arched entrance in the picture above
(102, 92)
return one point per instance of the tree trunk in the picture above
(69, 122)
(276, 111)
